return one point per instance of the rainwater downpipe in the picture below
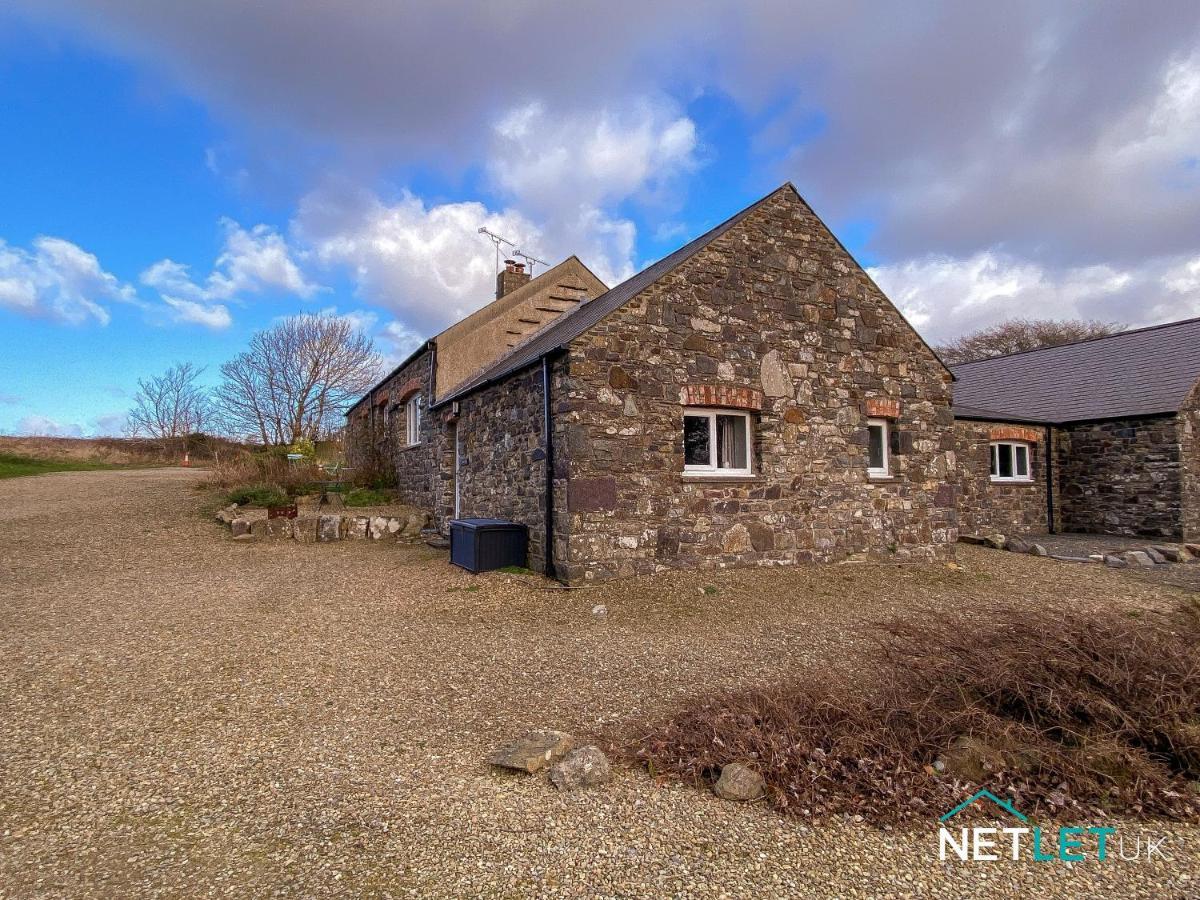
(549, 432)
(1049, 480)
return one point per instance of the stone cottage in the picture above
(1097, 436)
(751, 399)
(390, 428)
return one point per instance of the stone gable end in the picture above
(775, 312)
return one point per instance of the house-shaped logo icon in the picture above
(984, 795)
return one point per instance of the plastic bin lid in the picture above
(485, 523)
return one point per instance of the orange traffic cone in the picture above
(186, 460)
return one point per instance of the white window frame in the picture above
(713, 468)
(994, 458)
(412, 420)
(886, 471)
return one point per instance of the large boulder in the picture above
(1138, 558)
(582, 768)
(273, 529)
(239, 527)
(329, 528)
(414, 523)
(304, 529)
(378, 528)
(1018, 545)
(1172, 553)
(1157, 557)
(356, 527)
(739, 782)
(533, 751)
(995, 541)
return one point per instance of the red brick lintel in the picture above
(721, 395)
(1014, 433)
(883, 408)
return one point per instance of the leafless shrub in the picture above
(170, 406)
(1017, 335)
(1095, 714)
(295, 380)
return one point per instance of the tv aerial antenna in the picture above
(530, 259)
(497, 241)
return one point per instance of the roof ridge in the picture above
(1091, 340)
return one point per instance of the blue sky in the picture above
(179, 176)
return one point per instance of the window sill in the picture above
(1018, 482)
(717, 476)
(873, 478)
(410, 446)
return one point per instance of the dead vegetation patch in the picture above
(1080, 712)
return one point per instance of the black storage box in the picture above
(480, 545)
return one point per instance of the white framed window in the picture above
(717, 442)
(412, 419)
(1010, 461)
(878, 464)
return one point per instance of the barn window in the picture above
(877, 448)
(412, 417)
(716, 442)
(1010, 461)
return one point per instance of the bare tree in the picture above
(169, 406)
(295, 379)
(1017, 335)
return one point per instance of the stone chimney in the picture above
(512, 277)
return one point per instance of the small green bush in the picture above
(259, 495)
(366, 497)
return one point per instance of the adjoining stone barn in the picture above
(1099, 436)
(751, 399)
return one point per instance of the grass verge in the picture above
(14, 466)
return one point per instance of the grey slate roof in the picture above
(1135, 373)
(565, 329)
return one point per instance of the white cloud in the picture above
(252, 261)
(215, 316)
(427, 264)
(58, 280)
(110, 424)
(945, 296)
(43, 426)
(554, 164)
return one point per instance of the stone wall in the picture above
(776, 308)
(377, 433)
(1120, 477)
(502, 468)
(1189, 445)
(1007, 507)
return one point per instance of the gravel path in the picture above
(182, 715)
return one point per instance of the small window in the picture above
(1010, 461)
(877, 448)
(412, 417)
(716, 442)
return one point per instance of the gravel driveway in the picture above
(182, 715)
